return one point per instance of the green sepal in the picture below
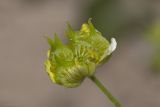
(57, 42)
(70, 32)
(50, 42)
(91, 27)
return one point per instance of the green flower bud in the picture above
(69, 64)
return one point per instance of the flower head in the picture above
(69, 64)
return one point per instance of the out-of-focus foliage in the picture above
(114, 17)
(154, 36)
(156, 62)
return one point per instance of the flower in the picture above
(69, 64)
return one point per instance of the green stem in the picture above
(105, 91)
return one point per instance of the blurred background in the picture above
(132, 74)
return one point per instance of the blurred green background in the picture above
(132, 74)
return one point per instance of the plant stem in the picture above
(105, 91)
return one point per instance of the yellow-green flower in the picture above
(69, 64)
